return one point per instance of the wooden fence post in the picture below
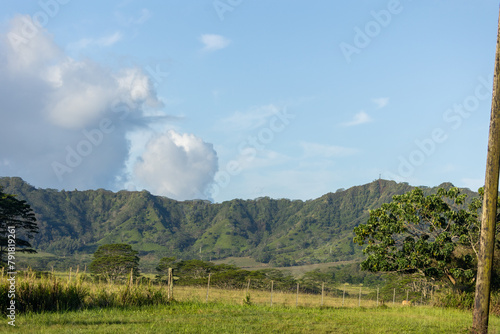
(170, 283)
(297, 296)
(359, 302)
(272, 286)
(394, 297)
(343, 296)
(322, 292)
(208, 285)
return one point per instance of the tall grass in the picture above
(51, 293)
(76, 291)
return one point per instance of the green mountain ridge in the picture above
(278, 231)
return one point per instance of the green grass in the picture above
(122, 308)
(193, 317)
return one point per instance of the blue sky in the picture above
(240, 99)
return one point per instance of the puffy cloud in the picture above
(179, 166)
(213, 42)
(27, 47)
(68, 122)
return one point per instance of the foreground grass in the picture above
(196, 317)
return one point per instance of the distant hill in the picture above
(280, 231)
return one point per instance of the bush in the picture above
(460, 300)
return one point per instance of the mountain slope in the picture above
(283, 232)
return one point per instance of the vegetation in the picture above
(115, 261)
(76, 300)
(431, 235)
(17, 226)
(282, 232)
(427, 234)
(40, 292)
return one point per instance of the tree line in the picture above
(116, 262)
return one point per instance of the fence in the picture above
(343, 296)
(145, 291)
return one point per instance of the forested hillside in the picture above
(280, 231)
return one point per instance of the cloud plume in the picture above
(67, 121)
(177, 165)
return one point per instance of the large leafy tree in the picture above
(114, 261)
(434, 236)
(18, 223)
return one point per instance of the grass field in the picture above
(212, 317)
(136, 308)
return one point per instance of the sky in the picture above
(225, 99)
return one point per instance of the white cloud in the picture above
(104, 41)
(248, 120)
(26, 52)
(110, 39)
(326, 151)
(179, 166)
(82, 92)
(381, 102)
(360, 118)
(67, 121)
(212, 42)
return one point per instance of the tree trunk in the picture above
(488, 219)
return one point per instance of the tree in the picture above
(115, 260)
(17, 226)
(165, 263)
(163, 266)
(433, 236)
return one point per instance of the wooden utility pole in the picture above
(488, 219)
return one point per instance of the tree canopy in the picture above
(434, 236)
(113, 261)
(18, 221)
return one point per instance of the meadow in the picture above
(219, 317)
(78, 305)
